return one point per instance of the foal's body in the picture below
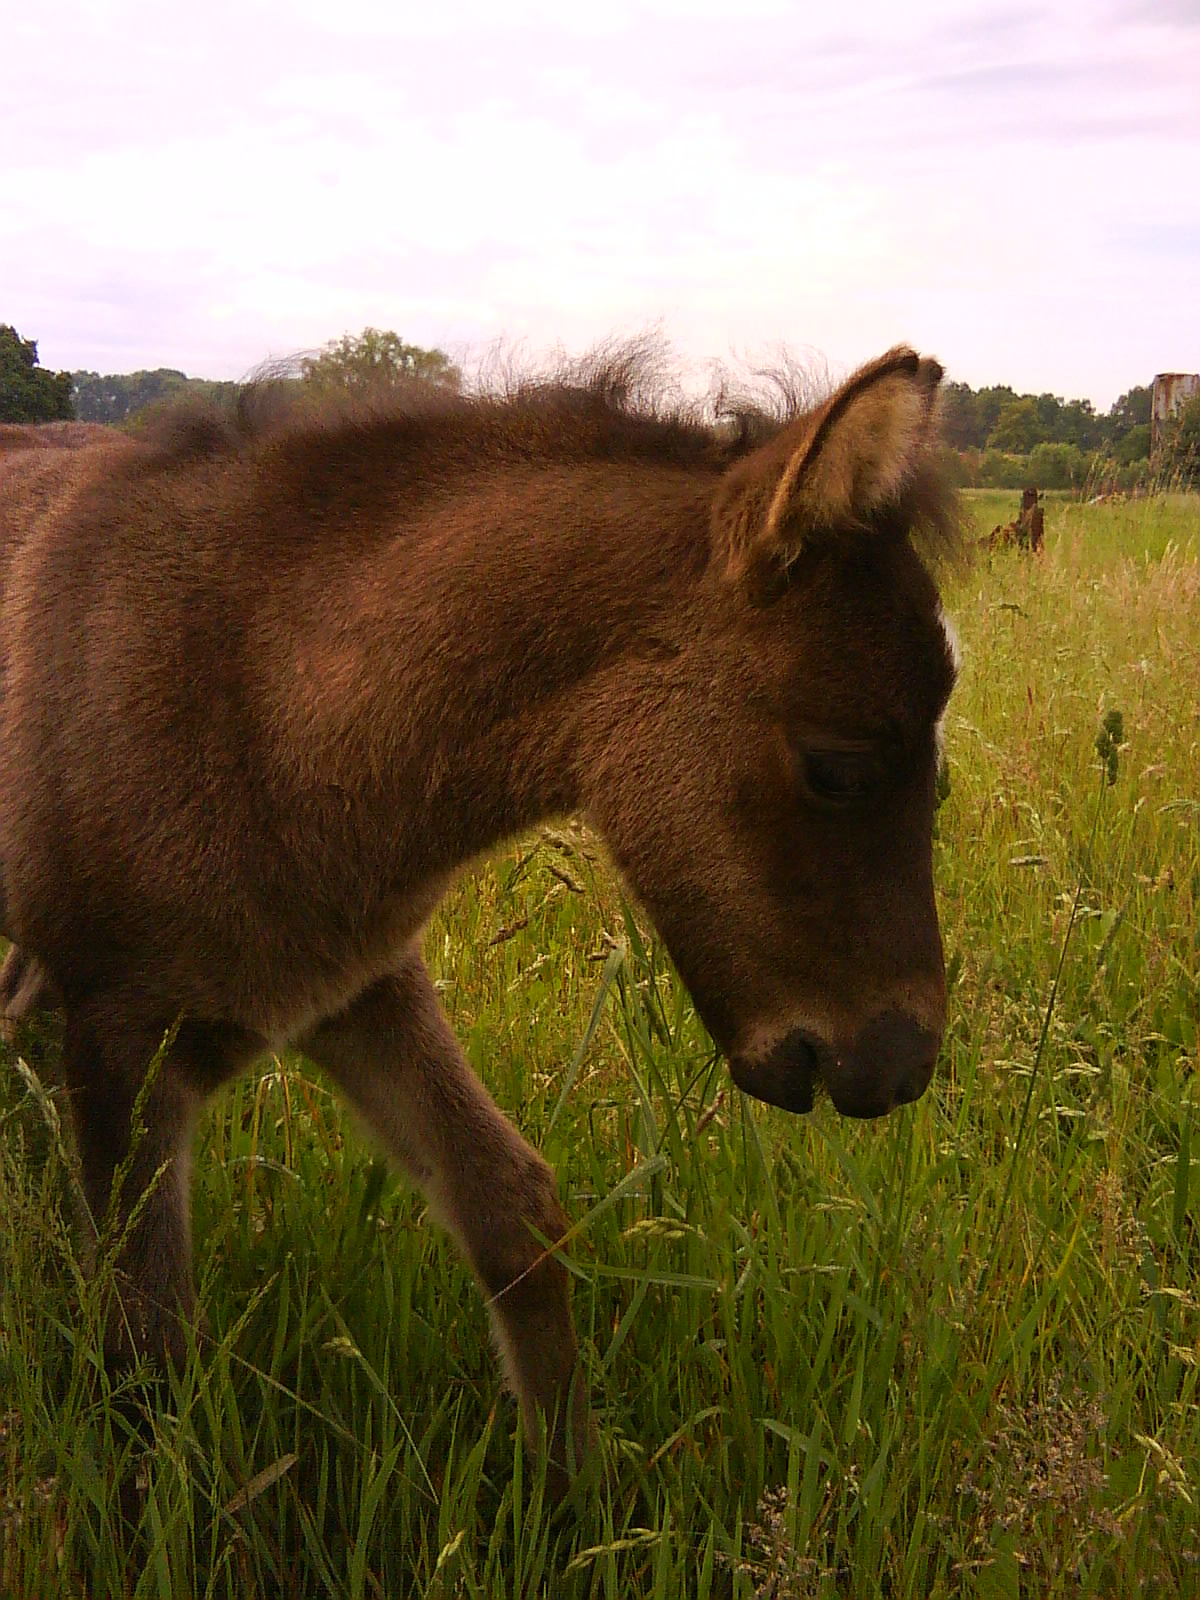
(263, 693)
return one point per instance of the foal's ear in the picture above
(835, 468)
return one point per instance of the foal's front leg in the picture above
(107, 1054)
(24, 989)
(395, 1055)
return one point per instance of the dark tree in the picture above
(960, 420)
(1018, 427)
(989, 404)
(1132, 410)
(28, 393)
(1133, 445)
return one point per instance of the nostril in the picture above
(889, 1063)
(900, 1044)
(914, 1085)
(785, 1076)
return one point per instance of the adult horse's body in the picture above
(265, 689)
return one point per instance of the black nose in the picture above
(885, 1065)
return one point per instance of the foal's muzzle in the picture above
(886, 1064)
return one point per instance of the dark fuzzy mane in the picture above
(619, 401)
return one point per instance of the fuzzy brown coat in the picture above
(265, 686)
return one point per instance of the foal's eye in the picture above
(840, 777)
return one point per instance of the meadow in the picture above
(956, 1352)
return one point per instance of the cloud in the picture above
(1172, 15)
(204, 187)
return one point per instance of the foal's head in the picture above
(778, 806)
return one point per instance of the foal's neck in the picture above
(523, 617)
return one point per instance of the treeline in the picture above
(1005, 440)
(361, 361)
(997, 437)
(118, 398)
(29, 393)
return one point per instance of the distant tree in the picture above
(115, 397)
(128, 398)
(1132, 410)
(1018, 428)
(1058, 465)
(1076, 422)
(960, 419)
(989, 403)
(28, 393)
(997, 470)
(377, 357)
(1134, 445)
(1048, 410)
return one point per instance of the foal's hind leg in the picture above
(107, 1055)
(397, 1058)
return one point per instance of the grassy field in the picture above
(955, 1353)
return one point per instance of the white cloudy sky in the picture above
(1014, 187)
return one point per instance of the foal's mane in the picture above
(621, 402)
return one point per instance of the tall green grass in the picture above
(953, 1353)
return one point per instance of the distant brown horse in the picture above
(1028, 531)
(264, 688)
